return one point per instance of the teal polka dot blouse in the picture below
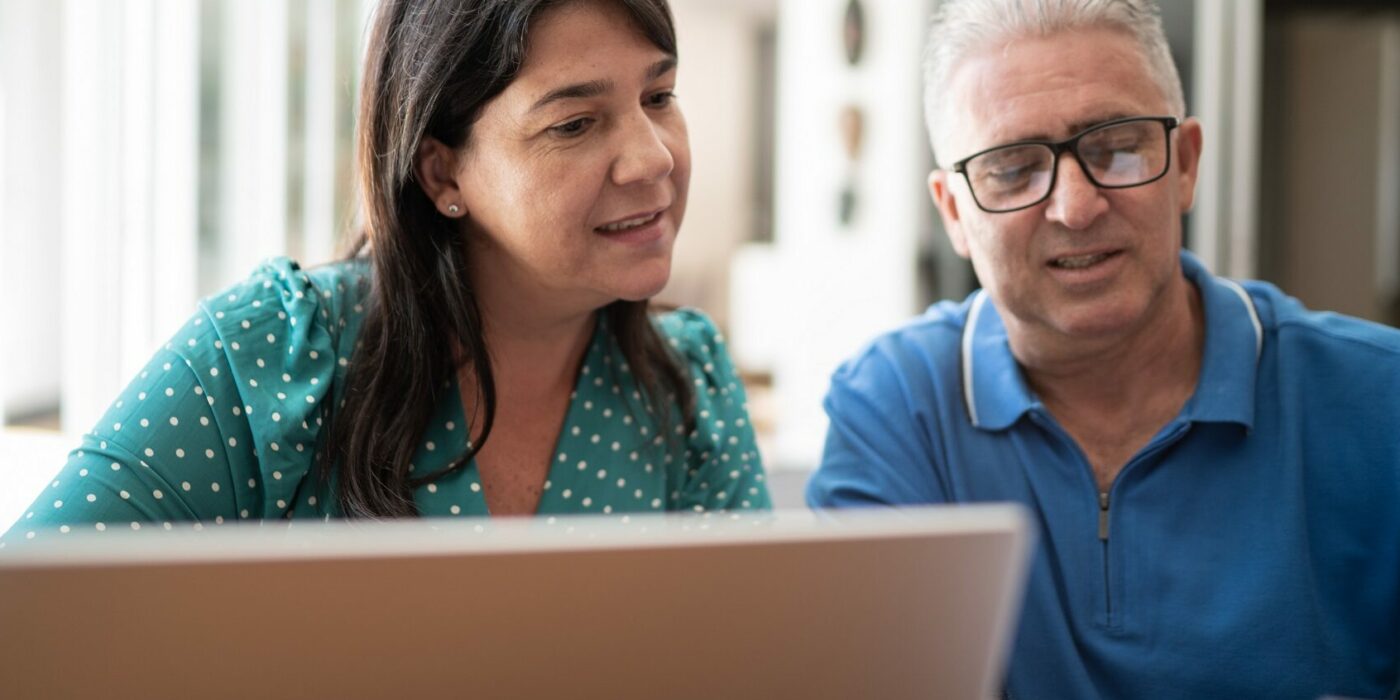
(222, 425)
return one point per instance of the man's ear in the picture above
(938, 187)
(1188, 161)
(435, 168)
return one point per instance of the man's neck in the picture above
(1113, 395)
(1163, 352)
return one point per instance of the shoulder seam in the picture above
(1280, 324)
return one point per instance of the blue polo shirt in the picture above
(1251, 550)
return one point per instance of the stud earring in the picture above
(453, 209)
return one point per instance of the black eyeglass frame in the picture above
(1070, 145)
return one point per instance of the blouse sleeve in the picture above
(219, 426)
(723, 468)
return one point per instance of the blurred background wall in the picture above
(153, 151)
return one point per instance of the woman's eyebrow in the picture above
(594, 88)
(661, 68)
(591, 88)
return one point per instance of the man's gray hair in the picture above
(960, 27)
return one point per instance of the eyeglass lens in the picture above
(1117, 155)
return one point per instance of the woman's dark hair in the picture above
(430, 68)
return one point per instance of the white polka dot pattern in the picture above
(223, 424)
(610, 456)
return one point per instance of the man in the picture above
(1214, 470)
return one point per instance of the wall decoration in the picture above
(851, 120)
(853, 31)
(852, 127)
(852, 131)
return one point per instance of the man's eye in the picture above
(571, 128)
(1008, 174)
(1117, 140)
(1007, 179)
(1122, 146)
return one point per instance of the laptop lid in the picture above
(881, 604)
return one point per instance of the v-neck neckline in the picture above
(450, 410)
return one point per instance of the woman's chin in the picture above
(641, 293)
(643, 282)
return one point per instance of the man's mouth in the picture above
(629, 224)
(1079, 262)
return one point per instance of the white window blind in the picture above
(155, 151)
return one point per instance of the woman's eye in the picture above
(660, 99)
(571, 128)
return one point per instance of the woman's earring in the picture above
(453, 209)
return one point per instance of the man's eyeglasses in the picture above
(1113, 155)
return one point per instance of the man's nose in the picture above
(1076, 202)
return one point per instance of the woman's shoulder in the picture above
(702, 346)
(283, 328)
(723, 469)
(281, 307)
(271, 352)
(282, 288)
(690, 332)
(224, 422)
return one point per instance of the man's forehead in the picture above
(1008, 126)
(1047, 88)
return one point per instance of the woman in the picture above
(488, 348)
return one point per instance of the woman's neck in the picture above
(536, 337)
(536, 356)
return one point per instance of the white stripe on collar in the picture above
(1253, 315)
(975, 313)
(969, 330)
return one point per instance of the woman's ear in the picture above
(435, 168)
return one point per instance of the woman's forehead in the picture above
(576, 35)
(585, 47)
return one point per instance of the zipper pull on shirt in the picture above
(1103, 516)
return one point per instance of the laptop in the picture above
(916, 603)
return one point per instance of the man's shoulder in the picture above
(1293, 325)
(928, 342)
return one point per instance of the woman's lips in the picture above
(633, 222)
(637, 229)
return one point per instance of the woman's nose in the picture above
(644, 155)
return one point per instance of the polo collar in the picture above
(996, 395)
(994, 389)
(1234, 343)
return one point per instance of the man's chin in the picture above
(1099, 321)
